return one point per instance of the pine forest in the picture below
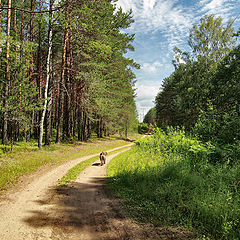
(63, 70)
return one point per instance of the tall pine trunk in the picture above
(84, 126)
(61, 97)
(31, 70)
(79, 114)
(7, 80)
(39, 77)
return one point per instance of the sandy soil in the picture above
(81, 211)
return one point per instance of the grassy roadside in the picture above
(167, 180)
(24, 162)
(148, 191)
(73, 173)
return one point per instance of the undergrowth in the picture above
(168, 179)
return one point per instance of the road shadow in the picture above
(87, 211)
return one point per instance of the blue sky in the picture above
(159, 26)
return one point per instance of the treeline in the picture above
(63, 71)
(203, 93)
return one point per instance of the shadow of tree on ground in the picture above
(86, 211)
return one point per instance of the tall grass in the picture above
(167, 179)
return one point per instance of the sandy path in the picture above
(20, 207)
(81, 211)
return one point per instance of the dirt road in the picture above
(40, 210)
(81, 211)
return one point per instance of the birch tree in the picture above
(50, 41)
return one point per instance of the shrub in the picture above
(143, 128)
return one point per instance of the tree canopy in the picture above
(77, 48)
(207, 75)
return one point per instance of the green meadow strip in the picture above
(73, 173)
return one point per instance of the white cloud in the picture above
(151, 67)
(223, 8)
(153, 15)
(212, 5)
(146, 94)
(160, 16)
(215, 3)
(145, 91)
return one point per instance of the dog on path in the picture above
(103, 158)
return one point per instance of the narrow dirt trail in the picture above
(84, 211)
(32, 212)
(81, 211)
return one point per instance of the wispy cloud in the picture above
(151, 67)
(153, 15)
(160, 16)
(213, 4)
(223, 8)
(171, 18)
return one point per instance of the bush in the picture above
(143, 128)
(219, 128)
(222, 130)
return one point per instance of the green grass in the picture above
(5, 150)
(73, 173)
(171, 183)
(27, 160)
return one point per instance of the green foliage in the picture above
(150, 117)
(143, 128)
(219, 122)
(208, 73)
(226, 88)
(223, 132)
(20, 99)
(218, 128)
(167, 179)
(209, 39)
(174, 141)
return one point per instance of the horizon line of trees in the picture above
(63, 70)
